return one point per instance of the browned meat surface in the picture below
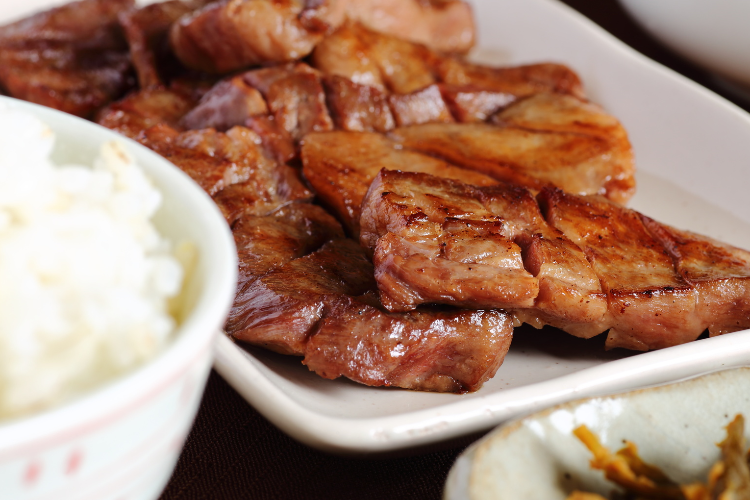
(547, 139)
(295, 97)
(145, 108)
(374, 59)
(423, 106)
(280, 309)
(442, 25)
(441, 241)
(356, 107)
(520, 81)
(472, 104)
(73, 58)
(321, 307)
(269, 186)
(147, 32)
(435, 242)
(233, 34)
(719, 272)
(651, 305)
(341, 165)
(229, 103)
(265, 242)
(214, 160)
(423, 350)
(277, 142)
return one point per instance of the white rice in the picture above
(85, 277)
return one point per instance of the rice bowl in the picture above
(124, 437)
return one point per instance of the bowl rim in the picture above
(192, 340)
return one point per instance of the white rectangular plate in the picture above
(693, 155)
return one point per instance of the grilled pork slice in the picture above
(441, 241)
(73, 58)
(652, 302)
(147, 30)
(547, 139)
(719, 272)
(322, 307)
(145, 108)
(341, 165)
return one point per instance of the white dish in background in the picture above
(675, 427)
(712, 33)
(693, 154)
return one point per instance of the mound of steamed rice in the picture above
(85, 278)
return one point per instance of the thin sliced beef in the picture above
(547, 139)
(73, 58)
(442, 241)
(321, 307)
(341, 165)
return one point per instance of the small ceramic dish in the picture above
(676, 427)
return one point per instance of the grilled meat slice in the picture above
(145, 108)
(422, 106)
(356, 107)
(233, 34)
(468, 103)
(434, 242)
(265, 242)
(269, 186)
(322, 307)
(73, 58)
(341, 165)
(519, 81)
(719, 272)
(280, 309)
(147, 32)
(277, 142)
(547, 139)
(375, 59)
(651, 305)
(295, 97)
(424, 350)
(442, 25)
(441, 241)
(215, 160)
(229, 103)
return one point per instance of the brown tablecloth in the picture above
(234, 453)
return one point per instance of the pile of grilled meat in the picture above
(397, 209)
